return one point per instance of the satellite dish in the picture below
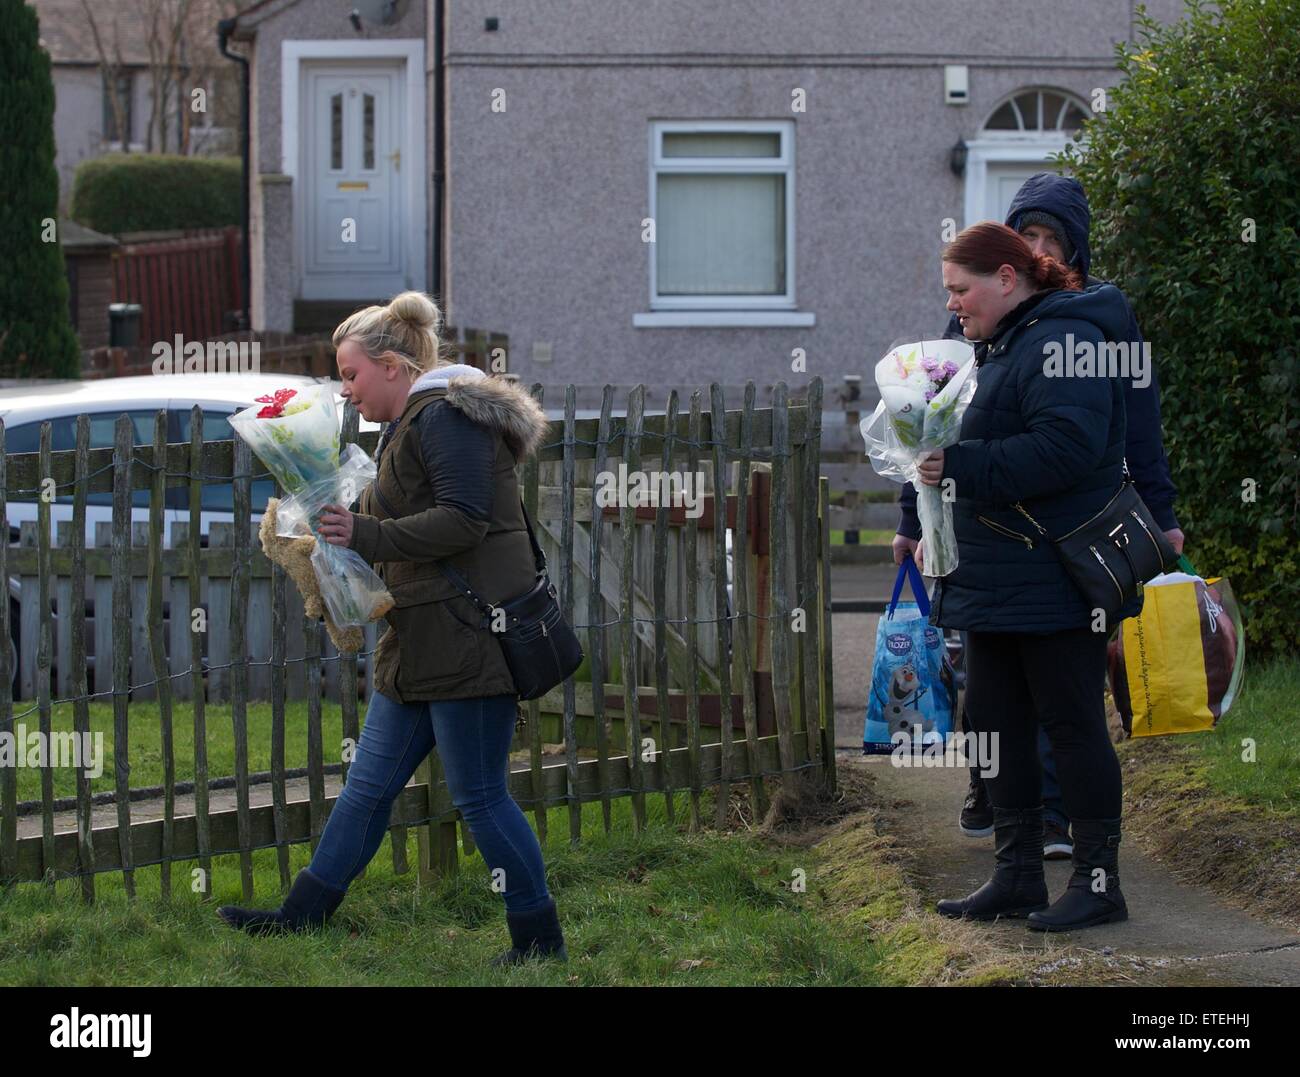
(380, 12)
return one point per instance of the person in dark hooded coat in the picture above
(1052, 213)
(1059, 205)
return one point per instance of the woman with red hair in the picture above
(1036, 654)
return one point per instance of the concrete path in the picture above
(1176, 933)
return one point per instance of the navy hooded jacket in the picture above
(1056, 445)
(1063, 197)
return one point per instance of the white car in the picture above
(24, 408)
(61, 402)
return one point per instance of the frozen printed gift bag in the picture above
(913, 690)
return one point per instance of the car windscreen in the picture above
(218, 496)
(26, 437)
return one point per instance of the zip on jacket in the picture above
(1007, 531)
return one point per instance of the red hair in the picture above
(985, 246)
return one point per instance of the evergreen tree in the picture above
(36, 335)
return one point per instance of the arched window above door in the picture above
(1020, 137)
(1037, 112)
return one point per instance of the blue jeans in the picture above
(1053, 805)
(473, 740)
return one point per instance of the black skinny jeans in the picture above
(1014, 682)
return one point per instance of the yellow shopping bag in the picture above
(1176, 667)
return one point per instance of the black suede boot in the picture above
(1017, 886)
(1090, 897)
(535, 933)
(308, 905)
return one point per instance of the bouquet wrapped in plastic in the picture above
(925, 388)
(296, 435)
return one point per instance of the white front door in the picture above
(1003, 181)
(352, 227)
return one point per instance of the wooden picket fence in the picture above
(685, 686)
(860, 498)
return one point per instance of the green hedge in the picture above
(36, 336)
(1197, 147)
(139, 192)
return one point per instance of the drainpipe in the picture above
(439, 137)
(225, 28)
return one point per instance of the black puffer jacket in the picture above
(1055, 444)
(1063, 197)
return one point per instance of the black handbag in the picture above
(1111, 555)
(539, 645)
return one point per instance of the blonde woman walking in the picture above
(446, 491)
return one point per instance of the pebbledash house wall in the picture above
(545, 199)
(262, 29)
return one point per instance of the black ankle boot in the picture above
(308, 905)
(1017, 886)
(1091, 897)
(976, 819)
(535, 933)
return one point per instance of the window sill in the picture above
(724, 319)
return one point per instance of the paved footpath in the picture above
(1176, 933)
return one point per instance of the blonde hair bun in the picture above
(416, 309)
(407, 327)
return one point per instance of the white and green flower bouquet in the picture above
(925, 387)
(295, 433)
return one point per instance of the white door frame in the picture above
(981, 151)
(414, 210)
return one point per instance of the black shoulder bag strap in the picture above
(486, 608)
(539, 562)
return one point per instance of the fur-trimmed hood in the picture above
(495, 402)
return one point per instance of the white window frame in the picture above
(784, 163)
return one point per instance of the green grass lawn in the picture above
(144, 742)
(865, 537)
(1268, 713)
(1217, 816)
(662, 907)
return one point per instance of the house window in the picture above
(336, 131)
(722, 199)
(1031, 112)
(368, 129)
(110, 127)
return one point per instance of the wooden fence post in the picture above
(8, 775)
(852, 392)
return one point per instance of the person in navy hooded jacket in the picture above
(1056, 446)
(1051, 212)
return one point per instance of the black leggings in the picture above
(1014, 681)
